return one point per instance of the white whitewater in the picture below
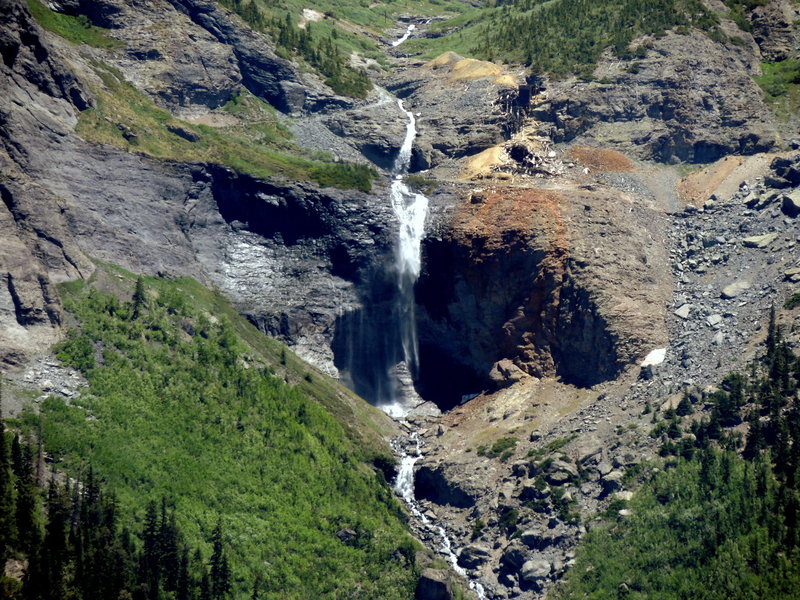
(406, 35)
(411, 209)
(404, 486)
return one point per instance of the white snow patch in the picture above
(656, 357)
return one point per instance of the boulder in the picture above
(613, 481)
(792, 274)
(513, 557)
(684, 311)
(759, 241)
(791, 204)
(534, 571)
(473, 556)
(505, 373)
(735, 289)
(433, 584)
(539, 540)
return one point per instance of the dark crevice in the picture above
(20, 312)
(269, 211)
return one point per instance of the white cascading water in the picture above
(400, 40)
(404, 486)
(411, 209)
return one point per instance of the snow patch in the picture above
(656, 357)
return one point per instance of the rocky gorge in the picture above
(565, 241)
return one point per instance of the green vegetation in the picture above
(503, 447)
(565, 36)
(259, 145)
(75, 546)
(75, 29)
(715, 524)
(320, 50)
(778, 78)
(181, 405)
(551, 447)
(739, 10)
(421, 184)
(792, 302)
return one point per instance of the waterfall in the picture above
(376, 347)
(411, 209)
(399, 41)
(404, 486)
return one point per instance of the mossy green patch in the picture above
(76, 29)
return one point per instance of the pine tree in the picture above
(139, 298)
(218, 566)
(771, 335)
(7, 529)
(151, 552)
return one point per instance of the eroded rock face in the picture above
(774, 29)
(39, 96)
(192, 56)
(692, 100)
(568, 283)
(457, 103)
(289, 255)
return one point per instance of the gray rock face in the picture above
(39, 96)
(456, 118)
(263, 73)
(774, 29)
(377, 131)
(271, 246)
(203, 57)
(693, 100)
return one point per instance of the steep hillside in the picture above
(540, 233)
(177, 406)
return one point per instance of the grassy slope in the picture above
(203, 420)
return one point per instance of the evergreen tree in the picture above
(7, 521)
(218, 566)
(139, 298)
